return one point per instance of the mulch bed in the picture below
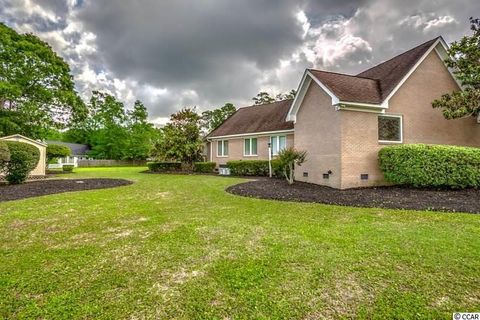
(45, 187)
(380, 197)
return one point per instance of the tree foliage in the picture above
(212, 119)
(36, 87)
(288, 158)
(57, 151)
(113, 132)
(464, 59)
(264, 97)
(180, 139)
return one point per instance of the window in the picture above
(390, 129)
(222, 148)
(278, 143)
(250, 147)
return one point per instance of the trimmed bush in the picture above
(422, 165)
(24, 158)
(254, 168)
(164, 166)
(248, 167)
(68, 167)
(4, 155)
(204, 167)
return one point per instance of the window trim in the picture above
(401, 128)
(278, 143)
(250, 155)
(223, 155)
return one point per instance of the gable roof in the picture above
(76, 148)
(375, 84)
(20, 137)
(256, 119)
(391, 72)
(350, 88)
(371, 89)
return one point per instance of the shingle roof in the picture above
(258, 118)
(375, 84)
(77, 148)
(350, 88)
(391, 72)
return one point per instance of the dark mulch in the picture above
(45, 187)
(380, 197)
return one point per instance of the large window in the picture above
(250, 147)
(278, 143)
(390, 129)
(222, 148)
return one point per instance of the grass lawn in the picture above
(178, 246)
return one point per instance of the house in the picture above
(79, 152)
(342, 121)
(39, 170)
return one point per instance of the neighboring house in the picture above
(79, 152)
(39, 170)
(342, 121)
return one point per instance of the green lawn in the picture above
(178, 246)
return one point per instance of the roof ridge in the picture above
(398, 55)
(342, 74)
(264, 104)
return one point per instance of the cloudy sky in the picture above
(175, 53)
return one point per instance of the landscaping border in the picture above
(46, 187)
(393, 197)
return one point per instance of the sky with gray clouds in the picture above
(176, 53)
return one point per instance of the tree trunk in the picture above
(291, 177)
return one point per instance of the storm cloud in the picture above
(172, 54)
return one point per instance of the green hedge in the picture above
(24, 158)
(422, 165)
(204, 167)
(253, 168)
(68, 167)
(4, 155)
(164, 166)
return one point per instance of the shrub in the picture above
(23, 159)
(57, 151)
(287, 159)
(164, 166)
(4, 155)
(248, 167)
(68, 167)
(422, 165)
(204, 167)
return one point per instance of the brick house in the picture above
(342, 121)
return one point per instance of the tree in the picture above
(286, 96)
(36, 87)
(55, 151)
(180, 140)
(464, 59)
(112, 132)
(212, 119)
(263, 98)
(141, 133)
(288, 158)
